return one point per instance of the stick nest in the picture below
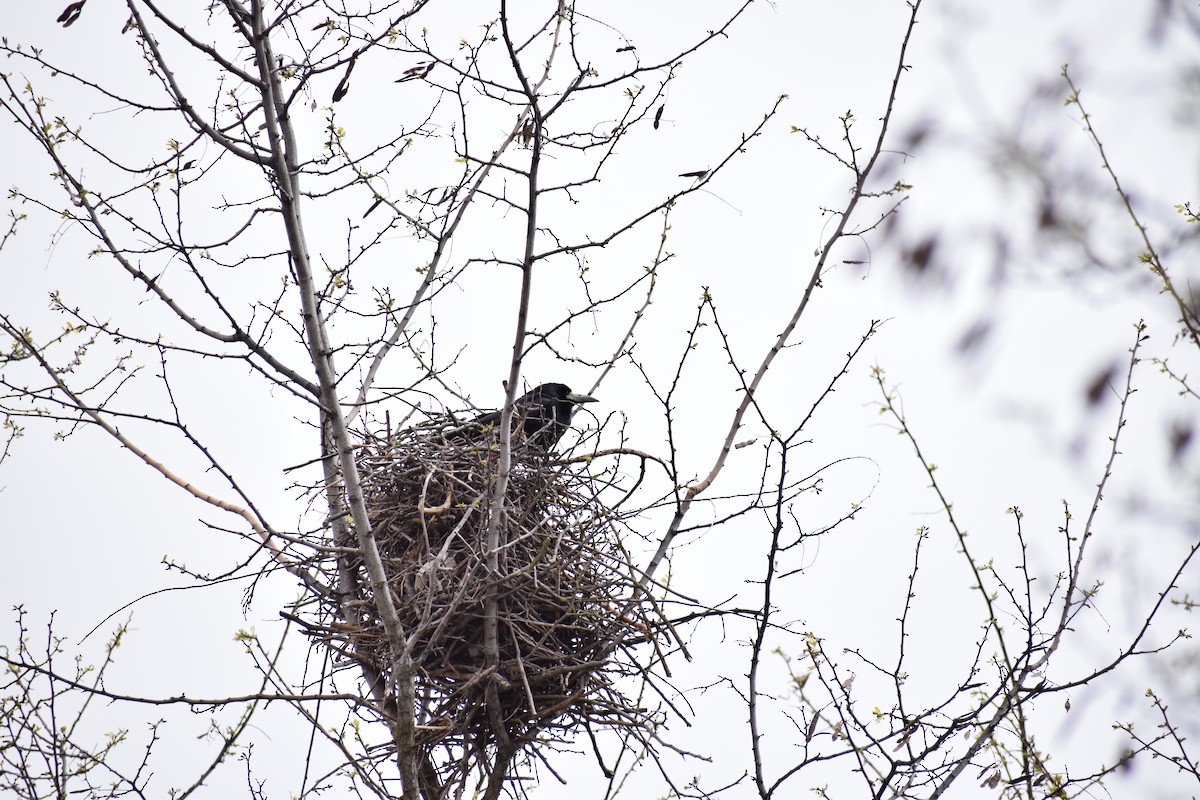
(562, 595)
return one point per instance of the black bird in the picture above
(544, 413)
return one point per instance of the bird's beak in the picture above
(575, 397)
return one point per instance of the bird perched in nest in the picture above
(543, 413)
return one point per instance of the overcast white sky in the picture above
(85, 525)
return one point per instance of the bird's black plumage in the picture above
(542, 414)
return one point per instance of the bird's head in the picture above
(562, 392)
(558, 393)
